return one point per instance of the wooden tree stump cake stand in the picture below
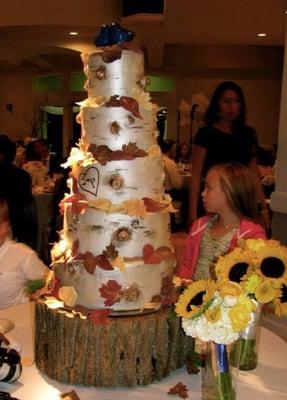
(128, 351)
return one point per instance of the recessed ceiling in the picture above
(37, 48)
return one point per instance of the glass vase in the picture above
(249, 342)
(219, 376)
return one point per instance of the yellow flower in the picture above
(253, 244)
(251, 283)
(213, 314)
(234, 265)
(194, 298)
(228, 288)
(265, 292)
(239, 316)
(271, 262)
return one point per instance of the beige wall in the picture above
(16, 89)
(195, 69)
(257, 69)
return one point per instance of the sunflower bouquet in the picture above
(260, 268)
(215, 313)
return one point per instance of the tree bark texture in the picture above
(134, 350)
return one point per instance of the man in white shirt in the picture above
(18, 264)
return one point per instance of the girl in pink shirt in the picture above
(229, 198)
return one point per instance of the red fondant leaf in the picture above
(102, 261)
(152, 205)
(154, 258)
(89, 262)
(180, 389)
(112, 292)
(130, 104)
(75, 248)
(100, 317)
(54, 287)
(148, 250)
(113, 102)
(191, 366)
(150, 256)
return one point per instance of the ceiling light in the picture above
(73, 33)
(261, 34)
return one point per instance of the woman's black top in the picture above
(224, 147)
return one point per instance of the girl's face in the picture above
(213, 197)
(229, 105)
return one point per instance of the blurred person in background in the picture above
(16, 188)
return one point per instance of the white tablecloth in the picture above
(267, 381)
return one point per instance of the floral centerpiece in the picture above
(260, 268)
(216, 313)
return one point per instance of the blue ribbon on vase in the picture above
(222, 360)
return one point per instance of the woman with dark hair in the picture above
(224, 138)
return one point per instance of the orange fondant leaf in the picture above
(152, 205)
(166, 253)
(180, 389)
(112, 292)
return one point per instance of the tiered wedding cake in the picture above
(115, 248)
(114, 258)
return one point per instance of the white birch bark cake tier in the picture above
(116, 233)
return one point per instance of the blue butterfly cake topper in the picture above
(113, 34)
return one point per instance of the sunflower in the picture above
(234, 265)
(195, 298)
(271, 263)
(280, 303)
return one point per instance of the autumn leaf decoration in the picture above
(152, 256)
(128, 103)
(108, 260)
(112, 292)
(111, 53)
(98, 316)
(180, 389)
(103, 154)
(78, 203)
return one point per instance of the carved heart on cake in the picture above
(89, 180)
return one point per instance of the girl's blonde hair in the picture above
(4, 210)
(239, 186)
